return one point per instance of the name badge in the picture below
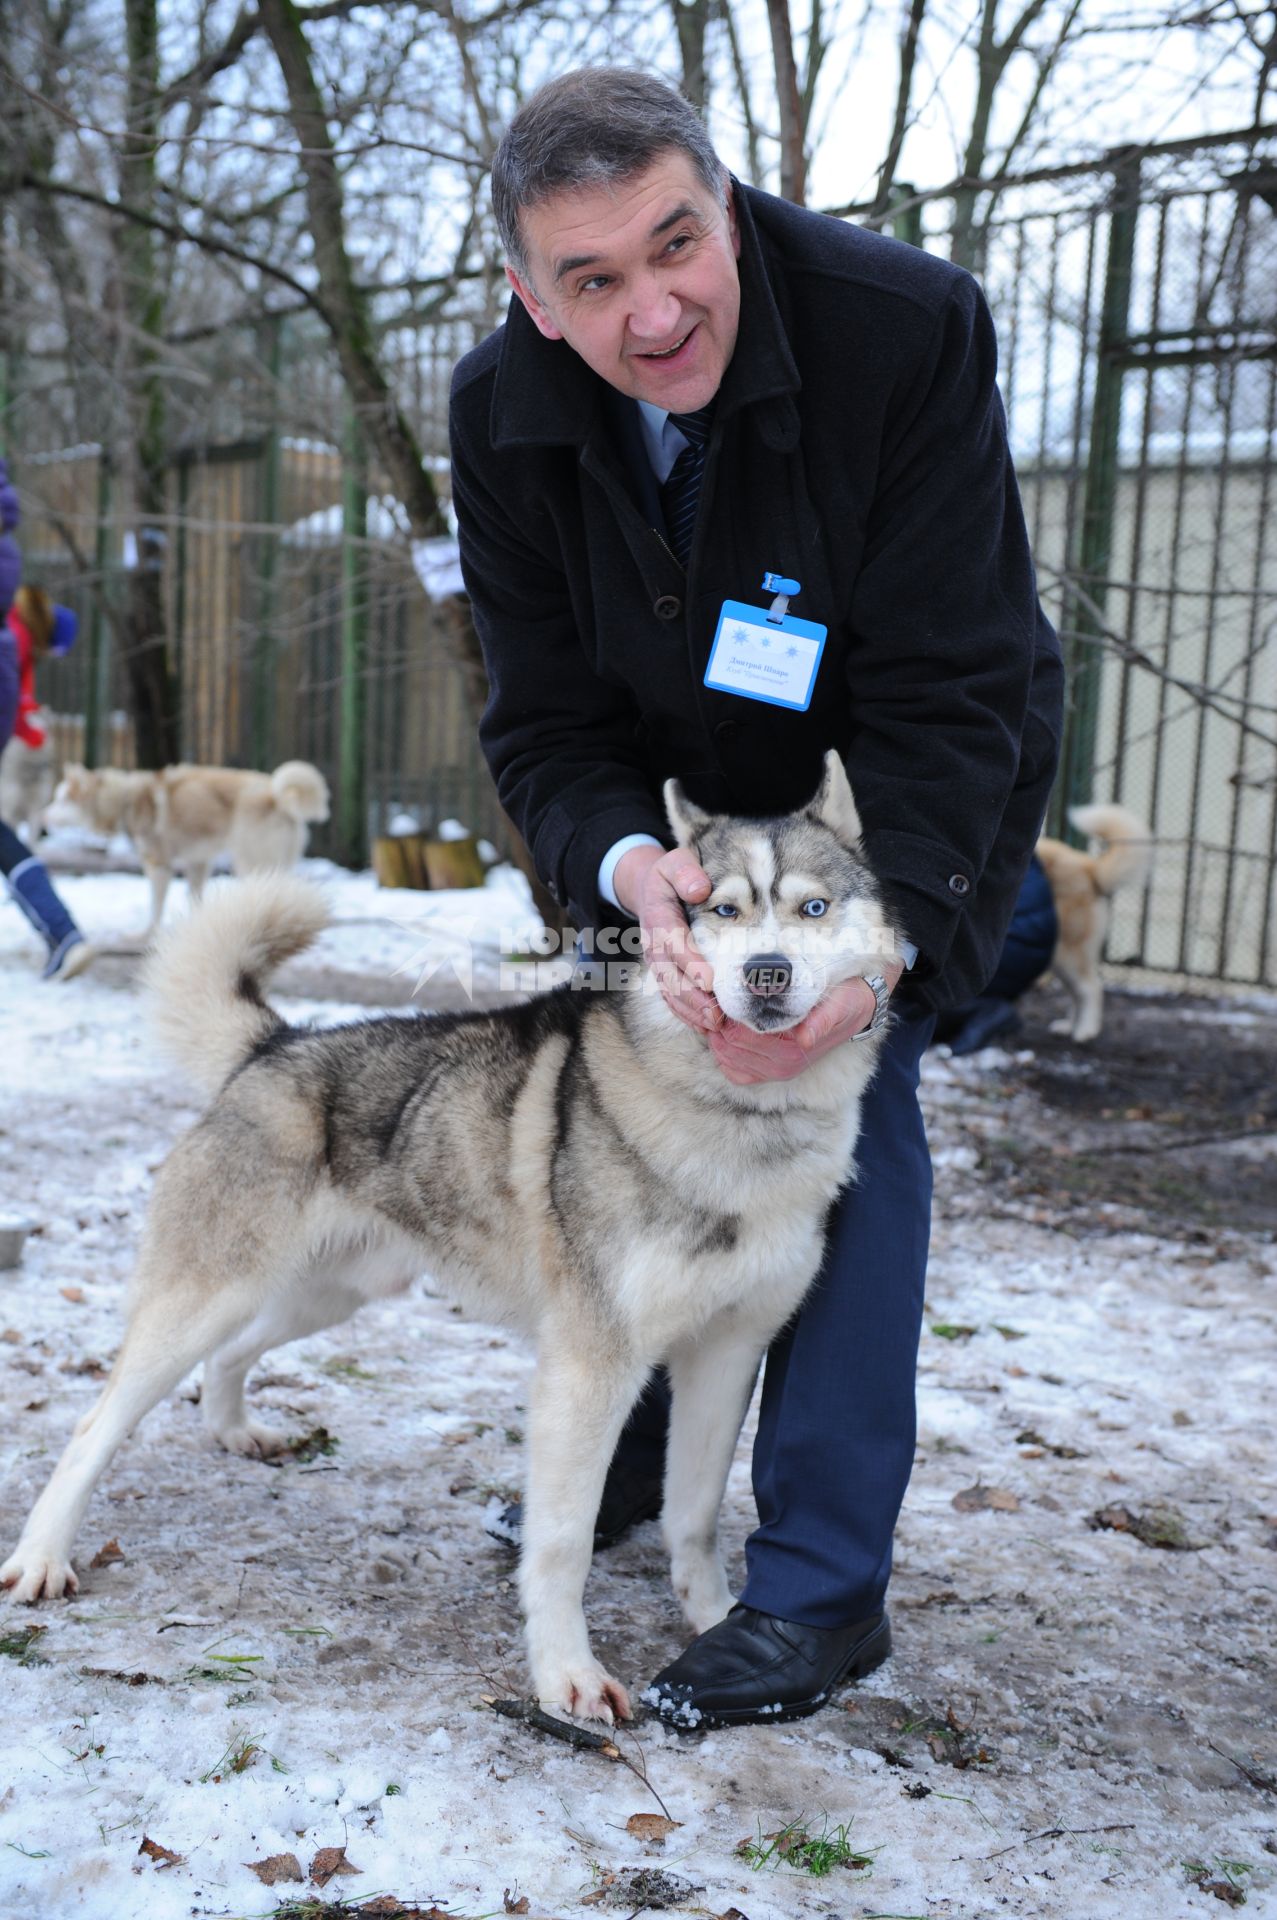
(762, 658)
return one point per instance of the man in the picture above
(838, 418)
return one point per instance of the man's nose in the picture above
(654, 312)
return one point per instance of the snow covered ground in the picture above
(267, 1661)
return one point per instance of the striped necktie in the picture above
(681, 492)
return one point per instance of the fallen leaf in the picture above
(650, 1826)
(74, 1294)
(94, 1369)
(276, 1867)
(11, 1337)
(107, 1555)
(162, 1856)
(982, 1499)
(1158, 1526)
(329, 1862)
(511, 1905)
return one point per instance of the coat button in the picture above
(668, 607)
(727, 731)
(959, 884)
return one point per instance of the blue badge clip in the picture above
(784, 591)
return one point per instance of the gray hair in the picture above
(597, 127)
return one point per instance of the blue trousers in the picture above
(837, 1421)
(31, 888)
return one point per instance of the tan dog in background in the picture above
(187, 815)
(1082, 885)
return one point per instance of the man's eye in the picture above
(815, 909)
(726, 911)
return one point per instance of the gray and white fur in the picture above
(576, 1165)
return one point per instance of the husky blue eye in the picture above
(726, 911)
(815, 908)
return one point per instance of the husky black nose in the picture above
(767, 973)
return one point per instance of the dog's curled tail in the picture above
(207, 973)
(1126, 845)
(300, 790)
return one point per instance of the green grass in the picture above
(20, 1646)
(808, 1852)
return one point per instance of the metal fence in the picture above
(1137, 315)
(1136, 306)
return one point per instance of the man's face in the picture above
(641, 280)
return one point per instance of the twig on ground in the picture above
(1264, 1781)
(583, 1738)
(1060, 1833)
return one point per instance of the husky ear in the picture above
(687, 822)
(833, 802)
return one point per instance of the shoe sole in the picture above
(862, 1660)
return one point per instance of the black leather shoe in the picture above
(626, 1501)
(752, 1666)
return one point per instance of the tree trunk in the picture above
(147, 658)
(793, 159)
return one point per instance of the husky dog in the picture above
(188, 815)
(1081, 886)
(28, 776)
(576, 1165)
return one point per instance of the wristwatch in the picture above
(882, 994)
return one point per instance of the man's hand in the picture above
(652, 886)
(747, 1058)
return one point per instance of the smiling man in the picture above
(699, 385)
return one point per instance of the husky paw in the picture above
(253, 1440)
(35, 1576)
(586, 1692)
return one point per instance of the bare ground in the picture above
(1081, 1714)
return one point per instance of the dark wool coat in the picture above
(859, 447)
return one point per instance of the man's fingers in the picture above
(690, 882)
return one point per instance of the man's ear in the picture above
(687, 822)
(536, 312)
(733, 226)
(833, 802)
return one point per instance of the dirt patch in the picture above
(1170, 1118)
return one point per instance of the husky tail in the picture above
(300, 790)
(206, 975)
(1125, 842)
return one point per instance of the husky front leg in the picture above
(580, 1400)
(711, 1380)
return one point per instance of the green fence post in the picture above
(97, 666)
(264, 752)
(1089, 565)
(352, 779)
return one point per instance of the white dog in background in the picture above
(186, 816)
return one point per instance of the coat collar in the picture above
(545, 395)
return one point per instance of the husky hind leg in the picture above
(286, 1316)
(170, 1331)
